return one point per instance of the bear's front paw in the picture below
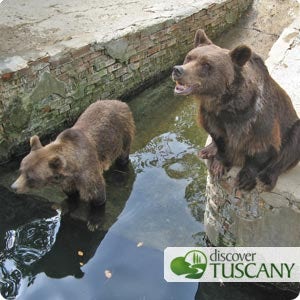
(209, 151)
(267, 180)
(96, 218)
(246, 179)
(216, 168)
(98, 202)
(122, 162)
(72, 195)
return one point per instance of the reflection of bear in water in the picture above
(75, 243)
(50, 243)
(79, 155)
(28, 227)
(249, 116)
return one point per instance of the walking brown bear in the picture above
(250, 118)
(79, 155)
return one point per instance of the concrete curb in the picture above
(284, 62)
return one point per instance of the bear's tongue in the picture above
(182, 89)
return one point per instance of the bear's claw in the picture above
(246, 180)
(267, 180)
(207, 152)
(216, 168)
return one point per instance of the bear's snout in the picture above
(19, 185)
(14, 186)
(178, 72)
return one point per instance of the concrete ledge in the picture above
(262, 219)
(42, 94)
(284, 61)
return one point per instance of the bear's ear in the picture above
(201, 39)
(56, 163)
(35, 143)
(240, 55)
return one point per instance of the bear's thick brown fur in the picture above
(250, 118)
(79, 155)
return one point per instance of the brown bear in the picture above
(79, 155)
(250, 118)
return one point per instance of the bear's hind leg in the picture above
(123, 160)
(288, 157)
(216, 168)
(246, 178)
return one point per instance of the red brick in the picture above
(153, 50)
(81, 51)
(135, 58)
(44, 59)
(63, 77)
(7, 76)
(24, 72)
(54, 62)
(114, 67)
(92, 56)
(46, 109)
(173, 28)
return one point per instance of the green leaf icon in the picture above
(193, 264)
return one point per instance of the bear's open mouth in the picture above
(183, 89)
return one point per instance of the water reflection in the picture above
(22, 246)
(36, 238)
(165, 194)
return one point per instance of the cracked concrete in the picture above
(27, 30)
(54, 25)
(284, 61)
(263, 25)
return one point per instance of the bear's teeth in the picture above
(182, 85)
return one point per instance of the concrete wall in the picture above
(46, 95)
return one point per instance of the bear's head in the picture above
(208, 69)
(42, 166)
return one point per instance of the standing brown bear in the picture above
(250, 118)
(79, 155)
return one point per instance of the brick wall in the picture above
(48, 94)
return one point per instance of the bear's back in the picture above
(107, 123)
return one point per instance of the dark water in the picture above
(51, 250)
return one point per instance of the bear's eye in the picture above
(205, 68)
(187, 59)
(30, 181)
